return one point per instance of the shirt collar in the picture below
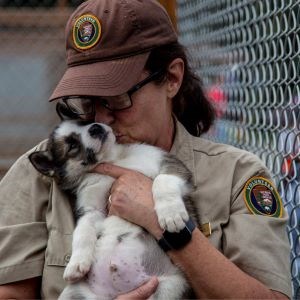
(182, 146)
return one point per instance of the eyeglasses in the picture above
(84, 107)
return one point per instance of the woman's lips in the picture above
(117, 134)
(123, 138)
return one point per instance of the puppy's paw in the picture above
(76, 269)
(171, 216)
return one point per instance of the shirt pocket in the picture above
(59, 247)
(57, 256)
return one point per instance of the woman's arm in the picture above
(25, 289)
(210, 273)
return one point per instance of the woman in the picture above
(131, 73)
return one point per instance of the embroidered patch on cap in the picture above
(86, 32)
(262, 198)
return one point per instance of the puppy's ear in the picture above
(64, 112)
(42, 162)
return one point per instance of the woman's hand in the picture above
(131, 197)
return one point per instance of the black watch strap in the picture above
(177, 240)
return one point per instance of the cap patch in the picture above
(262, 198)
(86, 32)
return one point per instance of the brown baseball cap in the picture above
(108, 43)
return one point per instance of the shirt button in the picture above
(67, 258)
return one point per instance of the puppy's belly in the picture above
(117, 268)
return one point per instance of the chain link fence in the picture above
(247, 53)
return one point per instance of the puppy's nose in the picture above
(97, 131)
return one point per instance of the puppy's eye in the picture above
(72, 147)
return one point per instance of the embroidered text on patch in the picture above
(262, 198)
(86, 32)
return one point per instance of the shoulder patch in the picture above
(262, 198)
(86, 32)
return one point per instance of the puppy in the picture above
(111, 256)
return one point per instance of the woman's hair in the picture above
(190, 105)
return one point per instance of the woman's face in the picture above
(148, 120)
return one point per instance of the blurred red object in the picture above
(218, 98)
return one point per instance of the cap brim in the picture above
(105, 78)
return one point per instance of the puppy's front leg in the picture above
(168, 192)
(83, 245)
(91, 198)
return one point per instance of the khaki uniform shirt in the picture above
(36, 221)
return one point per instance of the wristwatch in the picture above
(177, 240)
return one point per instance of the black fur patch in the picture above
(90, 157)
(172, 165)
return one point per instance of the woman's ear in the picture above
(175, 77)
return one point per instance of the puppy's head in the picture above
(74, 148)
